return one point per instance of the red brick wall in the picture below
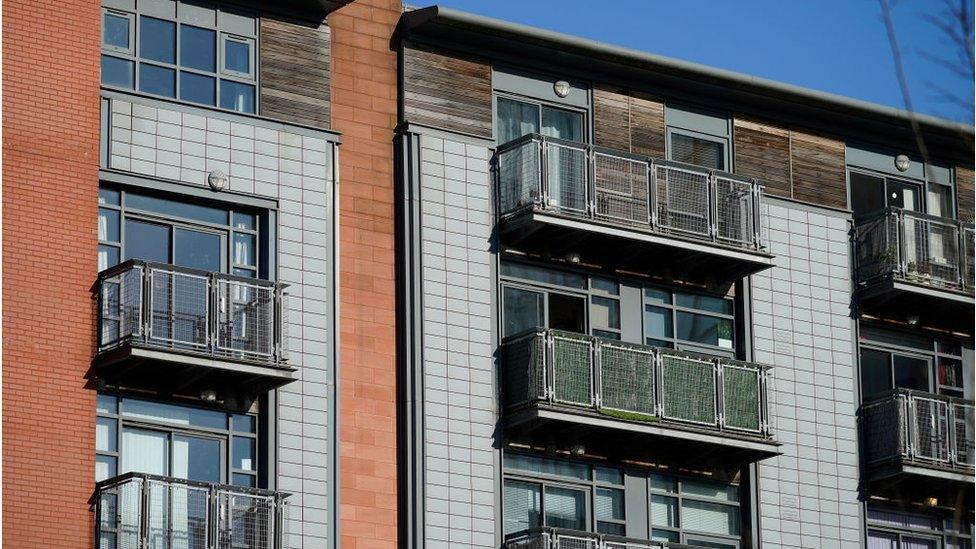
(364, 110)
(50, 190)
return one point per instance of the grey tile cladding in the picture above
(296, 170)
(459, 401)
(802, 326)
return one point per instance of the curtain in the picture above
(516, 119)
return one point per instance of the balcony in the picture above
(556, 538)
(571, 389)
(627, 211)
(180, 331)
(919, 438)
(137, 510)
(916, 263)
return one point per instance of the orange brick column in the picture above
(50, 197)
(364, 109)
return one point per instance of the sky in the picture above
(837, 46)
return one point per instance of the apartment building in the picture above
(172, 280)
(647, 303)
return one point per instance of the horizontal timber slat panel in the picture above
(446, 90)
(295, 71)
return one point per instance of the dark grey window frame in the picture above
(726, 143)
(931, 354)
(225, 436)
(940, 536)
(674, 309)
(220, 73)
(923, 186)
(679, 496)
(496, 95)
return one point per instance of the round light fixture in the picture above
(562, 88)
(902, 163)
(217, 180)
(577, 449)
(208, 395)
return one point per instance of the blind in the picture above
(522, 503)
(712, 518)
(697, 151)
(565, 508)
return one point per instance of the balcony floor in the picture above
(921, 480)
(671, 256)
(936, 307)
(546, 424)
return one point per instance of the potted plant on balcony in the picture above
(919, 271)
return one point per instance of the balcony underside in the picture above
(919, 481)
(935, 307)
(174, 372)
(671, 256)
(544, 424)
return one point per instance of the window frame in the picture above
(921, 184)
(220, 35)
(680, 496)
(540, 103)
(724, 141)
(932, 353)
(940, 535)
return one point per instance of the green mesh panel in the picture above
(572, 369)
(689, 389)
(627, 378)
(741, 398)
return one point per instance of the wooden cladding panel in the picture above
(628, 122)
(763, 151)
(295, 71)
(446, 90)
(964, 192)
(819, 170)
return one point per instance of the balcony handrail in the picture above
(636, 382)
(711, 205)
(138, 509)
(194, 311)
(891, 425)
(548, 537)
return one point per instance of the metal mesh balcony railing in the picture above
(915, 247)
(635, 382)
(137, 511)
(559, 538)
(169, 307)
(920, 428)
(627, 190)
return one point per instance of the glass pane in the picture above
(705, 329)
(243, 423)
(173, 413)
(659, 343)
(606, 312)
(197, 88)
(661, 482)
(913, 542)
(108, 225)
(246, 273)
(515, 119)
(522, 503)
(950, 348)
(657, 322)
(147, 241)
(567, 313)
(157, 40)
(606, 335)
(902, 194)
(543, 275)
(237, 56)
(108, 196)
(950, 372)
(245, 249)
(546, 466)
(875, 372)
(117, 72)
(710, 518)
(697, 542)
(911, 373)
(243, 479)
(565, 508)
(244, 453)
(523, 310)
(958, 543)
(664, 535)
(236, 96)
(198, 250)
(882, 540)
(562, 124)
(608, 475)
(664, 511)
(605, 285)
(105, 467)
(717, 490)
(245, 221)
(115, 30)
(196, 458)
(867, 194)
(176, 208)
(611, 528)
(145, 451)
(655, 294)
(108, 256)
(940, 200)
(157, 80)
(704, 303)
(700, 152)
(609, 504)
(198, 48)
(901, 519)
(106, 404)
(106, 434)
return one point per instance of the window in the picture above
(698, 137)
(182, 50)
(893, 360)
(697, 512)
(871, 193)
(139, 225)
(700, 150)
(516, 118)
(676, 319)
(144, 436)
(896, 529)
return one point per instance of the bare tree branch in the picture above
(902, 81)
